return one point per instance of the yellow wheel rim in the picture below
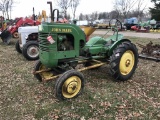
(45, 75)
(127, 62)
(71, 87)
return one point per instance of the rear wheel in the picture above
(69, 85)
(17, 46)
(31, 50)
(123, 61)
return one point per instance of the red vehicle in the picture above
(12, 30)
(134, 28)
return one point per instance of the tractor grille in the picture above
(20, 38)
(44, 45)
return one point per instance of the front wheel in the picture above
(31, 50)
(69, 85)
(18, 48)
(45, 74)
(123, 61)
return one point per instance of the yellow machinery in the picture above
(88, 31)
(102, 26)
(43, 15)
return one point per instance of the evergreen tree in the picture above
(155, 11)
(81, 16)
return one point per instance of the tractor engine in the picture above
(65, 42)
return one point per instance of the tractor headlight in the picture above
(40, 27)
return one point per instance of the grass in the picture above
(23, 97)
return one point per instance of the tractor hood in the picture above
(28, 29)
(95, 41)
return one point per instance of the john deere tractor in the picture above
(63, 47)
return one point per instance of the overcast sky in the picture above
(24, 7)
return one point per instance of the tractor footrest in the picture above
(149, 57)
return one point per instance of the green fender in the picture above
(115, 45)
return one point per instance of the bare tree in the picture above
(6, 7)
(81, 17)
(3, 7)
(11, 3)
(114, 14)
(124, 6)
(74, 5)
(94, 15)
(64, 5)
(140, 9)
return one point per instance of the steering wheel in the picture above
(115, 25)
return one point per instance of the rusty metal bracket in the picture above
(150, 51)
(99, 63)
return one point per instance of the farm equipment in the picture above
(150, 51)
(142, 27)
(63, 47)
(12, 31)
(130, 22)
(28, 42)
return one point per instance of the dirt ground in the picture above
(132, 34)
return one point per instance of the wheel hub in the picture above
(127, 62)
(16, 35)
(33, 51)
(71, 87)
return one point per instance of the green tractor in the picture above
(63, 47)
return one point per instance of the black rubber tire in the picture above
(17, 46)
(62, 79)
(116, 57)
(26, 47)
(37, 68)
